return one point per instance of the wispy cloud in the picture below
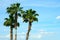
(39, 3)
(58, 17)
(43, 4)
(45, 32)
(41, 33)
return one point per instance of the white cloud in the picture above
(35, 36)
(41, 33)
(45, 32)
(22, 0)
(6, 30)
(4, 36)
(42, 3)
(21, 33)
(7, 36)
(58, 17)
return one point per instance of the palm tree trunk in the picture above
(15, 26)
(11, 33)
(29, 29)
(16, 33)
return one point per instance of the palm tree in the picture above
(15, 10)
(30, 16)
(9, 22)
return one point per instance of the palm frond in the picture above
(18, 24)
(25, 20)
(36, 19)
(19, 14)
(6, 18)
(36, 14)
(7, 23)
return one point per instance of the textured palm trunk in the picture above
(11, 33)
(16, 26)
(29, 29)
(16, 33)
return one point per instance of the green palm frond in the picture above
(20, 8)
(33, 12)
(7, 23)
(30, 15)
(6, 18)
(22, 12)
(19, 14)
(36, 19)
(25, 20)
(24, 16)
(18, 24)
(36, 14)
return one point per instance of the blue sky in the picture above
(48, 26)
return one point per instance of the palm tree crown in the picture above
(30, 15)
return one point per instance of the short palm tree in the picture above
(15, 10)
(30, 16)
(9, 22)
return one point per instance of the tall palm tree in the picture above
(9, 22)
(15, 10)
(30, 16)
